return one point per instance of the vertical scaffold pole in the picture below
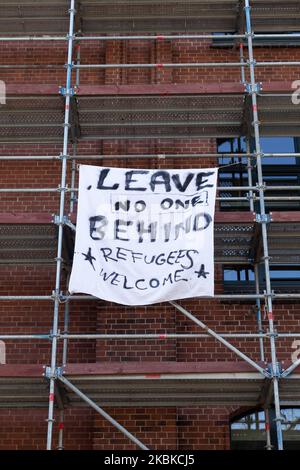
(262, 352)
(243, 77)
(73, 179)
(60, 223)
(254, 90)
(73, 166)
(250, 179)
(66, 331)
(61, 430)
(258, 313)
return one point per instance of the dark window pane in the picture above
(275, 41)
(277, 171)
(240, 279)
(248, 432)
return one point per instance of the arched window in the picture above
(248, 432)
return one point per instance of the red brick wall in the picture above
(26, 429)
(156, 427)
(179, 51)
(182, 428)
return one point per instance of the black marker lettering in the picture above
(115, 280)
(186, 227)
(200, 182)
(96, 223)
(160, 178)
(105, 275)
(167, 231)
(102, 177)
(177, 277)
(137, 284)
(166, 203)
(207, 221)
(171, 257)
(154, 283)
(118, 230)
(152, 230)
(125, 206)
(182, 187)
(121, 254)
(167, 279)
(190, 258)
(135, 256)
(125, 286)
(129, 180)
(151, 260)
(140, 206)
(106, 254)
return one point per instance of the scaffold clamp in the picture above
(66, 156)
(259, 154)
(256, 88)
(263, 218)
(276, 371)
(58, 372)
(59, 296)
(251, 196)
(67, 91)
(262, 186)
(64, 221)
(272, 335)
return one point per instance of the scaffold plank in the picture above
(143, 16)
(32, 238)
(145, 384)
(36, 118)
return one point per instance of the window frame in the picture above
(257, 42)
(269, 171)
(273, 430)
(248, 285)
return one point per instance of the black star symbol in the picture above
(89, 257)
(202, 272)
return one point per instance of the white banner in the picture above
(144, 236)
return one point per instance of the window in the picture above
(262, 42)
(240, 279)
(277, 171)
(233, 175)
(248, 432)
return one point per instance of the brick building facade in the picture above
(32, 126)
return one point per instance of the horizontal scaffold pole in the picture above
(287, 296)
(156, 155)
(220, 188)
(160, 337)
(149, 37)
(186, 65)
(152, 66)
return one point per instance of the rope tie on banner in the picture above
(231, 164)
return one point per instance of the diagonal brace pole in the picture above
(290, 369)
(219, 338)
(102, 413)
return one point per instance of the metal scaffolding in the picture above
(85, 26)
